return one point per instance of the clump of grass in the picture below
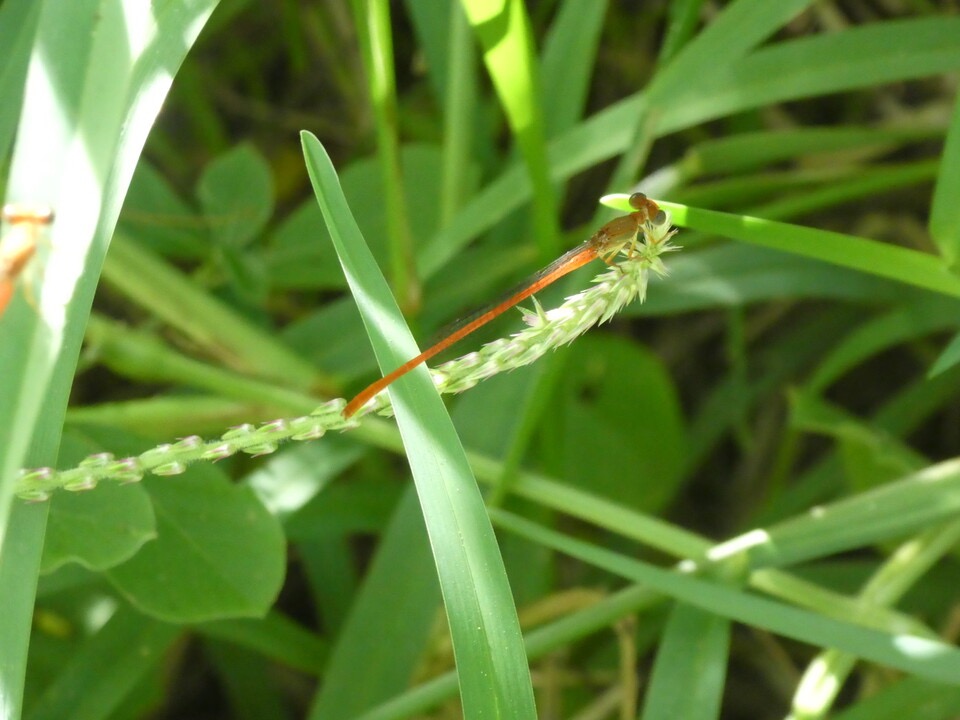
(765, 443)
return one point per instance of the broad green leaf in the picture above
(299, 255)
(158, 217)
(623, 436)
(218, 552)
(97, 529)
(236, 193)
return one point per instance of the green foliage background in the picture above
(739, 500)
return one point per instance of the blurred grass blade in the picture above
(212, 325)
(907, 323)
(828, 63)
(98, 73)
(752, 150)
(887, 512)
(682, 20)
(868, 256)
(106, 667)
(904, 698)
(741, 26)
(373, 650)
(459, 109)
(491, 662)
(827, 674)
(18, 23)
(948, 358)
(691, 666)
(376, 48)
(503, 28)
(569, 58)
(920, 656)
(945, 211)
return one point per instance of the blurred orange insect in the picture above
(18, 244)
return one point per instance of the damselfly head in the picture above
(639, 201)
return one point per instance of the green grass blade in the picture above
(945, 211)
(914, 654)
(886, 513)
(19, 569)
(373, 650)
(18, 23)
(491, 663)
(549, 638)
(683, 18)
(868, 256)
(691, 666)
(829, 63)
(948, 358)
(739, 28)
(97, 78)
(376, 44)
(910, 697)
(503, 28)
(827, 673)
(460, 103)
(169, 294)
(908, 322)
(569, 57)
(750, 150)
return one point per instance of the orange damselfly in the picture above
(19, 244)
(609, 240)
